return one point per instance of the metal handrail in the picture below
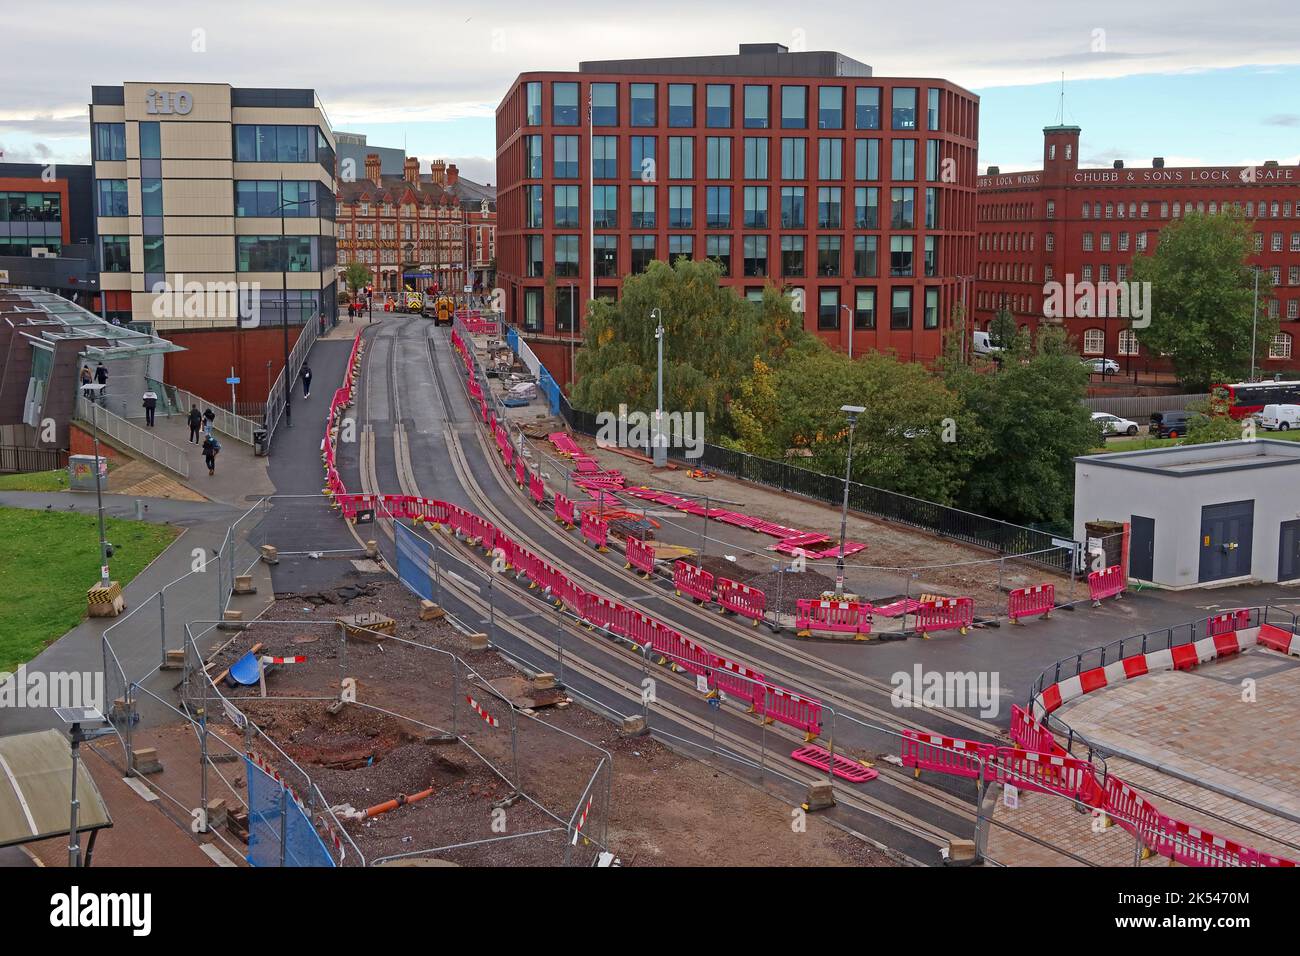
(275, 398)
(235, 426)
(134, 437)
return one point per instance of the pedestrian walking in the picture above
(209, 416)
(101, 376)
(196, 420)
(211, 448)
(352, 311)
(306, 380)
(87, 377)
(150, 403)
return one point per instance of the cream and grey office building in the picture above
(201, 186)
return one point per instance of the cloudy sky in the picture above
(1198, 81)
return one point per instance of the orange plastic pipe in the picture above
(400, 800)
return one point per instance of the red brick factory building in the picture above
(800, 169)
(1064, 223)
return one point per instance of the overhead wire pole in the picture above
(660, 456)
(852, 411)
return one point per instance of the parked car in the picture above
(1173, 423)
(1113, 424)
(1279, 417)
(1103, 366)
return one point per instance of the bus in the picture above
(1248, 398)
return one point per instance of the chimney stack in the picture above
(438, 172)
(1158, 162)
(411, 170)
(1118, 164)
(995, 171)
(372, 167)
(453, 174)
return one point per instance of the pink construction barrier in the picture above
(802, 713)
(843, 617)
(564, 444)
(946, 754)
(567, 593)
(640, 629)
(508, 454)
(536, 489)
(595, 531)
(696, 582)
(1030, 602)
(603, 612)
(564, 511)
(1051, 773)
(1104, 584)
(943, 614)
(741, 599)
(739, 681)
(1227, 622)
(640, 556)
(850, 547)
(521, 471)
(1029, 734)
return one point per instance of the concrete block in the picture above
(544, 681)
(961, 851)
(174, 661)
(145, 760)
(270, 554)
(216, 813)
(820, 796)
(232, 621)
(478, 642)
(372, 550)
(431, 612)
(633, 726)
(244, 584)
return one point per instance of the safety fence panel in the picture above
(595, 531)
(950, 755)
(564, 511)
(640, 555)
(741, 599)
(688, 579)
(1107, 583)
(279, 831)
(799, 712)
(846, 617)
(945, 614)
(1031, 601)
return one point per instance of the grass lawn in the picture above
(56, 480)
(47, 561)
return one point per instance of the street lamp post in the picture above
(852, 411)
(850, 313)
(660, 451)
(96, 389)
(1254, 323)
(284, 302)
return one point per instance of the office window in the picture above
(900, 255)
(903, 167)
(864, 308)
(115, 253)
(532, 157)
(931, 256)
(902, 207)
(566, 157)
(866, 207)
(931, 160)
(828, 256)
(604, 157)
(567, 318)
(755, 255)
(606, 249)
(679, 246)
(681, 157)
(1105, 242)
(792, 207)
(534, 197)
(829, 204)
(150, 141)
(112, 198)
(932, 208)
(1051, 209)
(681, 104)
(828, 310)
(533, 95)
(265, 198)
(866, 159)
(900, 308)
(830, 159)
(564, 104)
(1094, 342)
(643, 207)
(151, 203)
(718, 157)
(643, 104)
(755, 157)
(932, 110)
(604, 201)
(794, 157)
(566, 207)
(757, 107)
(604, 104)
(755, 207)
(717, 107)
(681, 201)
(534, 257)
(930, 319)
(718, 200)
(533, 302)
(110, 141)
(273, 144)
(792, 255)
(830, 107)
(903, 109)
(866, 107)
(1087, 242)
(642, 152)
(566, 255)
(718, 248)
(794, 107)
(643, 251)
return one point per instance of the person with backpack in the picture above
(306, 380)
(195, 420)
(211, 448)
(209, 416)
(86, 378)
(150, 404)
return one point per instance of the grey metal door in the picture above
(1288, 559)
(1142, 548)
(1226, 532)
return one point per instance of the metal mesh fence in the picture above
(279, 831)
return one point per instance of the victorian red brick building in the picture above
(1070, 225)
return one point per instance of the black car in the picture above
(1171, 424)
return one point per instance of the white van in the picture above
(984, 345)
(1279, 417)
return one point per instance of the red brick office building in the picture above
(798, 169)
(1066, 224)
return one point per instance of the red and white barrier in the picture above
(564, 511)
(1276, 638)
(741, 599)
(640, 556)
(521, 472)
(1031, 601)
(268, 659)
(595, 531)
(950, 755)
(802, 713)
(478, 709)
(841, 617)
(739, 681)
(536, 489)
(944, 614)
(689, 579)
(1104, 584)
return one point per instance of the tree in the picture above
(712, 338)
(1212, 423)
(1201, 294)
(357, 276)
(1003, 330)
